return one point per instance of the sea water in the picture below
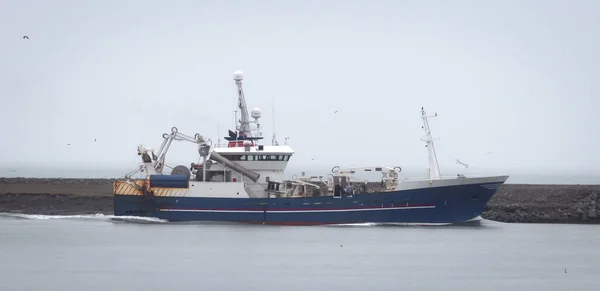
(97, 252)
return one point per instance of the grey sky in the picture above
(515, 78)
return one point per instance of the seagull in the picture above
(25, 37)
(459, 162)
(488, 153)
(335, 111)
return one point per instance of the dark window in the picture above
(232, 157)
(283, 158)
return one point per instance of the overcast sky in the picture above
(515, 78)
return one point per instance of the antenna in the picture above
(434, 168)
(235, 125)
(274, 140)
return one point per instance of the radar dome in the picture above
(256, 113)
(238, 75)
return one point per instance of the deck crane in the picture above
(153, 163)
(159, 161)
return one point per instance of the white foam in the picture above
(97, 216)
(353, 224)
(474, 219)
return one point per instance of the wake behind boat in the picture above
(243, 182)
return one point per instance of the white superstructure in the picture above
(244, 167)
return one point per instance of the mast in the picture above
(244, 127)
(274, 139)
(434, 168)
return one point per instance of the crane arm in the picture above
(157, 161)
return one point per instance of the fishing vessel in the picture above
(243, 181)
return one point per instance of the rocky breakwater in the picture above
(545, 204)
(56, 196)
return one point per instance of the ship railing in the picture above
(400, 180)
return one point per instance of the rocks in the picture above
(545, 204)
(56, 196)
(56, 186)
(55, 181)
(55, 204)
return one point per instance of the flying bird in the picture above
(335, 111)
(459, 162)
(25, 37)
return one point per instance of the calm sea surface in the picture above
(99, 253)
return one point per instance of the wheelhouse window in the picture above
(281, 158)
(232, 157)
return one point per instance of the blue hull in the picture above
(436, 205)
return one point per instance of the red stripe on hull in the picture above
(306, 209)
(295, 223)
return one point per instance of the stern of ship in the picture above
(131, 198)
